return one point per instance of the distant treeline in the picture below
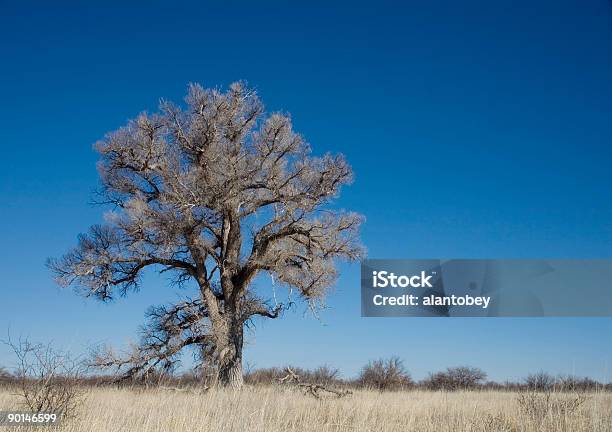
(383, 374)
(390, 374)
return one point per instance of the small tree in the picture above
(385, 374)
(464, 377)
(325, 375)
(540, 381)
(48, 380)
(213, 194)
(457, 378)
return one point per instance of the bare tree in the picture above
(540, 381)
(385, 374)
(48, 380)
(215, 193)
(456, 378)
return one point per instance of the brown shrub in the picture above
(385, 374)
(47, 380)
(456, 378)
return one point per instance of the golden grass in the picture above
(276, 409)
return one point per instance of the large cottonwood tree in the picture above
(215, 192)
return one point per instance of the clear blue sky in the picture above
(476, 129)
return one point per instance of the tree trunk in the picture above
(230, 361)
(230, 374)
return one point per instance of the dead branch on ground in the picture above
(318, 391)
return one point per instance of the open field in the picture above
(276, 409)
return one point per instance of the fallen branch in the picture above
(316, 390)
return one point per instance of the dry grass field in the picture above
(278, 409)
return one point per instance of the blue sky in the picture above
(475, 129)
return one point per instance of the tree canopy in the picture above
(215, 192)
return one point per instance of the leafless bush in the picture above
(199, 377)
(537, 405)
(324, 375)
(571, 383)
(540, 381)
(385, 374)
(456, 378)
(543, 381)
(5, 376)
(264, 376)
(150, 380)
(46, 379)
(493, 385)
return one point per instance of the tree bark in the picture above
(230, 355)
(230, 374)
